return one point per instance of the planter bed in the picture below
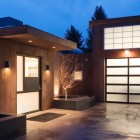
(74, 102)
(12, 125)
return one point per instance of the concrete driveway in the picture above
(104, 121)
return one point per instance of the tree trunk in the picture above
(65, 91)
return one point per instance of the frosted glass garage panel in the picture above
(108, 41)
(136, 28)
(117, 62)
(109, 46)
(134, 89)
(127, 34)
(127, 40)
(117, 71)
(116, 98)
(127, 28)
(108, 30)
(134, 80)
(118, 29)
(117, 80)
(127, 45)
(134, 71)
(134, 98)
(109, 35)
(116, 88)
(118, 46)
(136, 39)
(19, 73)
(27, 102)
(118, 35)
(117, 40)
(134, 61)
(136, 33)
(136, 45)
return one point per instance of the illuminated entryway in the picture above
(28, 84)
(123, 80)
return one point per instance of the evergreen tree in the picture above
(74, 35)
(99, 14)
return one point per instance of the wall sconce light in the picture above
(7, 64)
(127, 52)
(47, 67)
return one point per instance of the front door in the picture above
(28, 84)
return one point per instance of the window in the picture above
(122, 37)
(78, 76)
(31, 67)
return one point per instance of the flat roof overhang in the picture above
(130, 19)
(39, 38)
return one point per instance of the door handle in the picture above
(39, 87)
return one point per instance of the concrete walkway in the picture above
(101, 122)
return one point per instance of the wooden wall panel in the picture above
(8, 51)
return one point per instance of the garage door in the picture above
(123, 80)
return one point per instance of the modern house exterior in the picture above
(116, 60)
(26, 54)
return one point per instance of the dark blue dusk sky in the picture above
(55, 16)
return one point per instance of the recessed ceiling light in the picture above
(30, 41)
(53, 47)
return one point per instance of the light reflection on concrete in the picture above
(101, 122)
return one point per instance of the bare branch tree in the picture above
(67, 67)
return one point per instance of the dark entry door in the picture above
(123, 80)
(28, 84)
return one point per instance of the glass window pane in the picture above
(136, 45)
(127, 45)
(136, 33)
(136, 27)
(117, 80)
(134, 61)
(134, 71)
(134, 89)
(117, 71)
(108, 41)
(117, 29)
(127, 28)
(127, 40)
(108, 30)
(116, 88)
(108, 46)
(27, 102)
(31, 67)
(117, 40)
(136, 39)
(117, 98)
(117, 35)
(117, 62)
(134, 80)
(78, 75)
(127, 34)
(117, 46)
(19, 73)
(134, 98)
(109, 35)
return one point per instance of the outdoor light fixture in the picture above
(7, 64)
(127, 52)
(47, 67)
(30, 41)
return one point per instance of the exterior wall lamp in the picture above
(7, 64)
(127, 52)
(47, 67)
